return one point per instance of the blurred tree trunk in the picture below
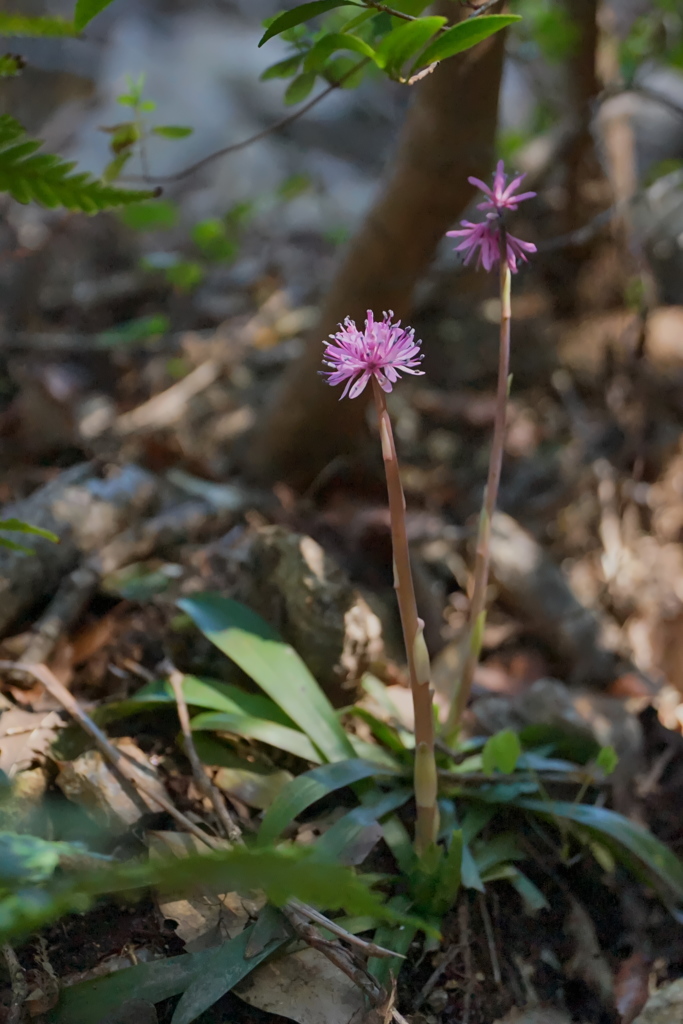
(449, 134)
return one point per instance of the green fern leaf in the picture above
(21, 25)
(49, 180)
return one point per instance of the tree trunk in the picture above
(449, 134)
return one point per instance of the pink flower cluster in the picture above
(383, 351)
(483, 239)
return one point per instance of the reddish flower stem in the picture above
(477, 616)
(426, 826)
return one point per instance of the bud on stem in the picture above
(423, 668)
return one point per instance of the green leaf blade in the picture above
(19, 526)
(283, 68)
(463, 36)
(35, 27)
(301, 13)
(501, 751)
(172, 131)
(638, 841)
(86, 10)
(228, 966)
(300, 88)
(290, 740)
(260, 652)
(405, 40)
(310, 787)
(319, 54)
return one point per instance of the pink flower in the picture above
(501, 196)
(484, 239)
(383, 351)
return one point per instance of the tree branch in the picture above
(284, 122)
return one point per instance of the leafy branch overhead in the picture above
(392, 37)
(50, 180)
(45, 26)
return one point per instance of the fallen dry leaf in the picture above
(91, 782)
(665, 1006)
(631, 987)
(255, 789)
(206, 918)
(305, 987)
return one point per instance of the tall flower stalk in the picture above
(380, 354)
(491, 244)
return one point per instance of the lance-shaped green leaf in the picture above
(25, 25)
(272, 733)
(501, 751)
(19, 526)
(260, 652)
(617, 831)
(283, 68)
(405, 41)
(86, 10)
(393, 937)
(283, 874)
(229, 965)
(214, 695)
(161, 979)
(310, 787)
(318, 55)
(463, 36)
(299, 88)
(301, 13)
(449, 875)
(340, 837)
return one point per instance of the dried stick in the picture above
(369, 948)
(427, 815)
(336, 954)
(490, 938)
(464, 927)
(230, 827)
(477, 616)
(49, 680)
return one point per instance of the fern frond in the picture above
(22, 25)
(49, 180)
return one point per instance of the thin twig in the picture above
(284, 122)
(477, 613)
(18, 985)
(488, 928)
(336, 954)
(49, 680)
(433, 978)
(390, 10)
(482, 8)
(369, 948)
(232, 830)
(464, 925)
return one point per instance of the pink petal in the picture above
(482, 186)
(359, 386)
